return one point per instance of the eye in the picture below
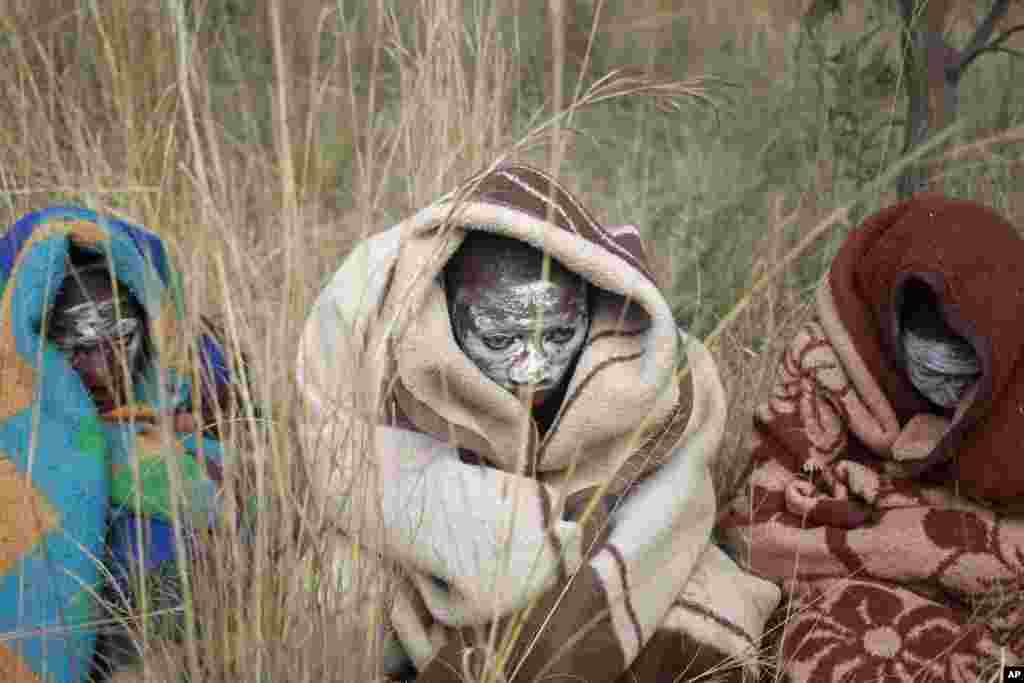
(71, 347)
(560, 335)
(498, 342)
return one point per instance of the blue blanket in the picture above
(72, 480)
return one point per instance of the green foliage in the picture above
(855, 79)
(216, 15)
(697, 183)
(820, 10)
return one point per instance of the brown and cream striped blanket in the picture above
(592, 539)
(895, 530)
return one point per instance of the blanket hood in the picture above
(972, 261)
(42, 240)
(625, 378)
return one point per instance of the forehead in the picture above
(523, 307)
(508, 291)
(486, 259)
(491, 264)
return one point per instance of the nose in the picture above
(531, 368)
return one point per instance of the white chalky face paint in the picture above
(523, 333)
(940, 364)
(91, 322)
(941, 369)
(100, 341)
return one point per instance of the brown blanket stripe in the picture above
(577, 393)
(615, 334)
(707, 612)
(532, 191)
(626, 596)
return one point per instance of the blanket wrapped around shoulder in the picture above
(68, 474)
(603, 521)
(895, 527)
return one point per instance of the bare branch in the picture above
(988, 25)
(980, 39)
(994, 46)
(1004, 36)
(1004, 50)
(906, 11)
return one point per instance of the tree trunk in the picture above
(932, 70)
(928, 62)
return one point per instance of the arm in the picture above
(481, 531)
(602, 618)
(593, 625)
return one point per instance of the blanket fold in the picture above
(68, 474)
(889, 520)
(490, 505)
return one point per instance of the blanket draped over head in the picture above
(889, 522)
(69, 475)
(483, 513)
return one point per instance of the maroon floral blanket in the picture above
(896, 531)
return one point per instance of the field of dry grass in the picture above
(262, 139)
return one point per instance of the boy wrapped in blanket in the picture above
(496, 407)
(886, 480)
(96, 410)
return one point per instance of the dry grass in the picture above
(112, 104)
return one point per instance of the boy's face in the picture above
(941, 364)
(101, 340)
(523, 332)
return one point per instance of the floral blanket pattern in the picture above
(889, 576)
(853, 538)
